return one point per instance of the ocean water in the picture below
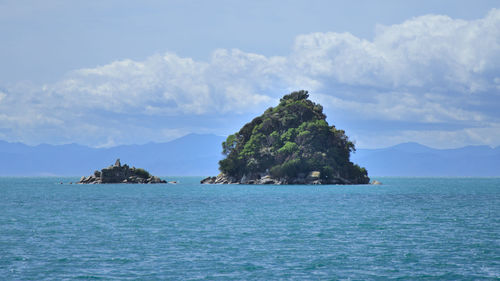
(406, 229)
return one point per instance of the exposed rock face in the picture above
(120, 174)
(313, 177)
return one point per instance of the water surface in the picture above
(407, 228)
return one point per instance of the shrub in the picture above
(142, 173)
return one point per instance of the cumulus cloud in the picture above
(169, 84)
(428, 69)
(427, 52)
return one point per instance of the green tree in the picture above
(290, 139)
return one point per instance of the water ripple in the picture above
(408, 228)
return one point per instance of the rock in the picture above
(120, 174)
(221, 178)
(376, 182)
(244, 179)
(267, 180)
(312, 178)
(259, 178)
(314, 175)
(208, 180)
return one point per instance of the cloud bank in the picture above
(431, 79)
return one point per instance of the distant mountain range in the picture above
(190, 155)
(198, 155)
(413, 159)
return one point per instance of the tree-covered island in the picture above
(289, 144)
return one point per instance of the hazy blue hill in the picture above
(198, 155)
(412, 159)
(13, 147)
(412, 147)
(190, 155)
(44, 159)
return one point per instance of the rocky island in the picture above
(120, 174)
(289, 144)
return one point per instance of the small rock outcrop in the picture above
(120, 174)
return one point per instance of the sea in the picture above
(404, 229)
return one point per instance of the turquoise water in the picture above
(408, 228)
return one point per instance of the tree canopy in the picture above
(290, 139)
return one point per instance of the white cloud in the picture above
(403, 106)
(428, 52)
(169, 84)
(428, 69)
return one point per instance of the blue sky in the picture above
(103, 73)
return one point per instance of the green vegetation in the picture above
(290, 139)
(141, 173)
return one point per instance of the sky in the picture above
(105, 73)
